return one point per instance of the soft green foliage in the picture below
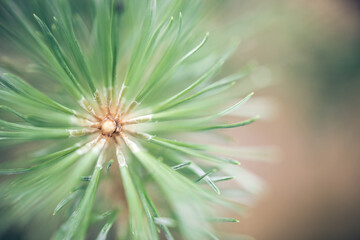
(147, 68)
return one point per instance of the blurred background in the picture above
(310, 51)
(310, 57)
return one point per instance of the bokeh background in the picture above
(310, 53)
(308, 95)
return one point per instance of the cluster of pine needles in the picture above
(103, 106)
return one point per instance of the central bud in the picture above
(108, 126)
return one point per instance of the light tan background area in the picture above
(313, 51)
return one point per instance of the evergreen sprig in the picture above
(115, 80)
